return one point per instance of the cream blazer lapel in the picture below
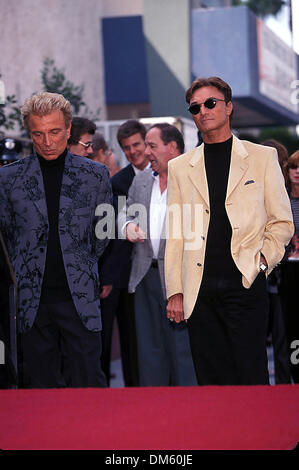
(197, 173)
(238, 165)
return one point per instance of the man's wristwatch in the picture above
(263, 267)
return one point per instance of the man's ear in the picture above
(172, 146)
(229, 108)
(68, 131)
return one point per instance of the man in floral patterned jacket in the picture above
(49, 203)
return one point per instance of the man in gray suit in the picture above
(49, 206)
(163, 347)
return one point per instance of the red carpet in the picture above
(183, 418)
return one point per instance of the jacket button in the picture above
(198, 264)
(207, 211)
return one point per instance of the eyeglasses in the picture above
(108, 152)
(210, 103)
(86, 145)
(293, 166)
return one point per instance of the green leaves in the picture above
(10, 113)
(262, 8)
(54, 81)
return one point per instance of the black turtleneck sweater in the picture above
(218, 259)
(55, 286)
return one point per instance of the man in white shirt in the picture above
(163, 346)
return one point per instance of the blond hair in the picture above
(44, 103)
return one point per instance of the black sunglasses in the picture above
(210, 103)
(293, 166)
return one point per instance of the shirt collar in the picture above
(136, 170)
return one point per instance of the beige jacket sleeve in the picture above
(174, 235)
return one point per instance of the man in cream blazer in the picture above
(229, 220)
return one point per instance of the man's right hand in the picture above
(105, 291)
(134, 233)
(175, 309)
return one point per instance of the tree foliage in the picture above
(10, 113)
(55, 81)
(283, 135)
(262, 8)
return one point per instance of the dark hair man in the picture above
(117, 260)
(130, 136)
(80, 140)
(218, 284)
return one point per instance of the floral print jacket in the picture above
(25, 228)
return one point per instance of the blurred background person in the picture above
(282, 151)
(118, 303)
(290, 266)
(10, 151)
(80, 140)
(277, 327)
(103, 154)
(8, 306)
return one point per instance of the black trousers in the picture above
(289, 296)
(58, 351)
(228, 330)
(120, 305)
(164, 354)
(279, 340)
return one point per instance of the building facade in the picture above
(136, 59)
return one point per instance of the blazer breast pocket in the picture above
(250, 185)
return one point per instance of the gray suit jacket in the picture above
(25, 228)
(140, 193)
